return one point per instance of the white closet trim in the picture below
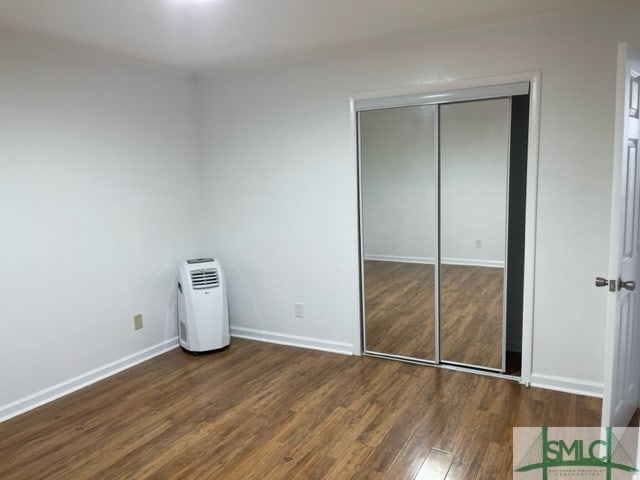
(445, 96)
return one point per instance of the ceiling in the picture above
(198, 34)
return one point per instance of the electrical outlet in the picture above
(299, 310)
(478, 243)
(137, 321)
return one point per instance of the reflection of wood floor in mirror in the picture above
(399, 308)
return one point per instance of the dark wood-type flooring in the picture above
(400, 312)
(263, 411)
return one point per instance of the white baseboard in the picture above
(569, 385)
(430, 260)
(292, 340)
(47, 395)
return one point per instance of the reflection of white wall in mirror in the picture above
(397, 161)
(398, 182)
(474, 152)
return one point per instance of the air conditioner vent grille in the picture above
(205, 278)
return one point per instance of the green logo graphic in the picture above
(607, 453)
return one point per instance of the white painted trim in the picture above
(531, 212)
(446, 96)
(569, 385)
(292, 340)
(49, 394)
(446, 86)
(430, 260)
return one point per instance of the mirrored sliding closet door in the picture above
(397, 172)
(435, 225)
(474, 153)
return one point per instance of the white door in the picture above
(622, 351)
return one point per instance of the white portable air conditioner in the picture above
(203, 314)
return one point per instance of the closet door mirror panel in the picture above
(397, 182)
(474, 153)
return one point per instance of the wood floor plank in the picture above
(259, 410)
(436, 465)
(495, 463)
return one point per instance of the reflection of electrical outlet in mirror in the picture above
(299, 310)
(478, 243)
(137, 321)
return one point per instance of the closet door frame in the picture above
(455, 91)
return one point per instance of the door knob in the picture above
(603, 282)
(629, 285)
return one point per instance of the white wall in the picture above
(280, 172)
(99, 199)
